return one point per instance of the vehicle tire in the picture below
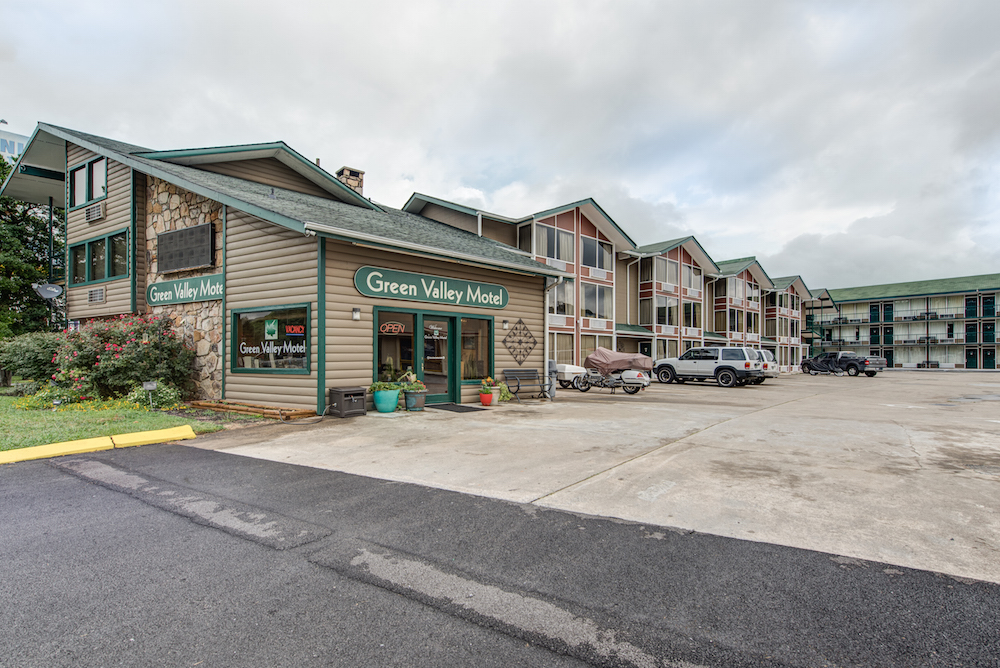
(581, 383)
(870, 374)
(726, 378)
(759, 381)
(632, 389)
(852, 370)
(565, 384)
(666, 375)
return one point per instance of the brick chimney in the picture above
(352, 178)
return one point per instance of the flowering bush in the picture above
(488, 385)
(108, 358)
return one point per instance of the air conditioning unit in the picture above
(94, 212)
(96, 296)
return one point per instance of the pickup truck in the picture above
(847, 361)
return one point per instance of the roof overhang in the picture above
(691, 245)
(280, 151)
(418, 201)
(39, 172)
(352, 236)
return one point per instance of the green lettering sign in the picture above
(186, 290)
(392, 284)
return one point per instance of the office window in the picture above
(596, 253)
(550, 242)
(271, 340)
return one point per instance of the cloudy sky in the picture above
(848, 142)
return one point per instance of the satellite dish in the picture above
(47, 290)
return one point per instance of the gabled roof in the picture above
(786, 282)
(988, 282)
(279, 150)
(418, 201)
(735, 267)
(690, 244)
(388, 228)
(594, 212)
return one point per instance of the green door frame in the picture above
(971, 358)
(455, 381)
(989, 358)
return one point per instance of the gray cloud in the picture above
(797, 132)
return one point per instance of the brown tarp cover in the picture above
(606, 361)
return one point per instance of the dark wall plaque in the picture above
(190, 248)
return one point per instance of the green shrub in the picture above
(31, 356)
(164, 397)
(505, 393)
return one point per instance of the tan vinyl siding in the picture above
(268, 171)
(118, 299)
(505, 233)
(350, 344)
(118, 216)
(139, 244)
(448, 217)
(269, 266)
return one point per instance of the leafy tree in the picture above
(24, 253)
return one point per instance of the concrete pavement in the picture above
(902, 469)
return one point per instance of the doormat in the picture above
(454, 408)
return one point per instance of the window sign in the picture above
(392, 284)
(271, 340)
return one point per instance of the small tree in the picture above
(24, 259)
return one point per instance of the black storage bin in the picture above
(347, 401)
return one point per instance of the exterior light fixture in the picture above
(356, 314)
(506, 325)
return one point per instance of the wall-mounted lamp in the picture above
(506, 325)
(356, 314)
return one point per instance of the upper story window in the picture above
(667, 271)
(645, 270)
(524, 238)
(88, 182)
(99, 259)
(596, 253)
(560, 299)
(554, 243)
(753, 292)
(692, 277)
(597, 301)
(666, 310)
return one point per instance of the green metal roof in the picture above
(717, 337)
(390, 228)
(589, 201)
(938, 286)
(770, 342)
(632, 329)
(735, 267)
(662, 247)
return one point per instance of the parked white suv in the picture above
(769, 364)
(728, 366)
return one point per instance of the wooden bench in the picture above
(521, 379)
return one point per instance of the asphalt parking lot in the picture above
(902, 469)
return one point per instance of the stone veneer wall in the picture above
(170, 208)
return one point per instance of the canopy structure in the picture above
(607, 361)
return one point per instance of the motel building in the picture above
(784, 322)
(946, 323)
(286, 280)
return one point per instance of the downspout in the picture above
(479, 223)
(545, 311)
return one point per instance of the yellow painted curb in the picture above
(158, 436)
(56, 449)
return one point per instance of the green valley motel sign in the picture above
(186, 290)
(392, 284)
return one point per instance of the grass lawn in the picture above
(21, 429)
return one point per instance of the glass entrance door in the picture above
(436, 363)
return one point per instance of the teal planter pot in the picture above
(386, 400)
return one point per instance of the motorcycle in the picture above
(608, 369)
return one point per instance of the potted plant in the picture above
(386, 395)
(415, 393)
(486, 391)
